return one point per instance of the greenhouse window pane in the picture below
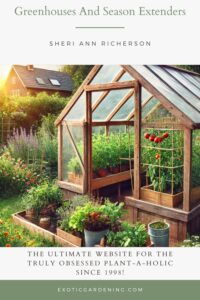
(77, 135)
(96, 96)
(178, 87)
(196, 158)
(125, 110)
(166, 91)
(71, 168)
(126, 77)
(106, 74)
(109, 103)
(145, 94)
(184, 81)
(78, 110)
(149, 106)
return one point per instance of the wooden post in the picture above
(137, 126)
(187, 169)
(60, 150)
(88, 137)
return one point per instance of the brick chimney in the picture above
(30, 67)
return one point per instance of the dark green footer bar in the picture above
(53, 290)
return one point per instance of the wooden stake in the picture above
(137, 154)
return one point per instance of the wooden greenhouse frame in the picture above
(178, 91)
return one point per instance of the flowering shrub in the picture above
(10, 235)
(15, 176)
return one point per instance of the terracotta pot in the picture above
(114, 170)
(102, 172)
(45, 222)
(46, 211)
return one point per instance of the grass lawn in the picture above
(8, 206)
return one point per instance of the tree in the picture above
(77, 72)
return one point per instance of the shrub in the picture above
(193, 241)
(15, 176)
(32, 108)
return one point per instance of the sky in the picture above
(4, 70)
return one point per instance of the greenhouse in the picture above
(132, 133)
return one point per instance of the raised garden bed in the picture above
(19, 218)
(69, 237)
(165, 199)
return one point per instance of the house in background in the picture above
(25, 80)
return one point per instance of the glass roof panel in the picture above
(126, 77)
(125, 110)
(192, 79)
(113, 98)
(178, 87)
(179, 76)
(96, 96)
(145, 94)
(149, 106)
(106, 74)
(166, 91)
(78, 110)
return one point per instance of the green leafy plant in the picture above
(74, 166)
(68, 207)
(41, 196)
(110, 211)
(159, 225)
(126, 235)
(193, 241)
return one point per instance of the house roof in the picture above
(28, 78)
(177, 89)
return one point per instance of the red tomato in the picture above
(165, 135)
(156, 140)
(160, 139)
(157, 156)
(152, 137)
(147, 135)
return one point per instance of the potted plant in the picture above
(42, 199)
(159, 233)
(95, 220)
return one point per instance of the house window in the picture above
(13, 80)
(40, 80)
(15, 92)
(54, 82)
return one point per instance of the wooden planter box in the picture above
(75, 178)
(161, 198)
(75, 240)
(195, 194)
(19, 219)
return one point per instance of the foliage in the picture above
(25, 146)
(47, 137)
(36, 149)
(68, 207)
(41, 196)
(28, 111)
(10, 235)
(74, 166)
(196, 158)
(128, 235)
(110, 211)
(15, 176)
(193, 241)
(159, 225)
(164, 160)
(96, 221)
(77, 72)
